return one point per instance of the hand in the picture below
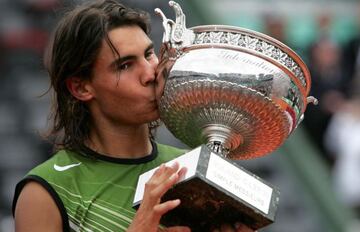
(238, 227)
(147, 218)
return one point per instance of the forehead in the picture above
(127, 40)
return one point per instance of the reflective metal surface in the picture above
(239, 91)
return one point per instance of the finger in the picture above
(161, 209)
(182, 173)
(175, 166)
(159, 170)
(161, 181)
(166, 171)
(169, 170)
(165, 179)
(163, 187)
(161, 174)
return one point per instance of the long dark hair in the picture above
(72, 52)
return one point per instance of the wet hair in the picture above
(74, 47)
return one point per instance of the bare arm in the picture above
(36, 211)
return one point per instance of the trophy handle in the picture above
(313, 100)
(309, 99)
(180, 23)
(176, 36)
(167, 25)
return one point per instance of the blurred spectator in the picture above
(342, 138)
(24, 30)
(328, 83)
(324, 22)
(274, 26)
(327, 86)
(351, 60)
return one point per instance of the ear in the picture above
(79, 88)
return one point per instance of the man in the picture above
(102, 67)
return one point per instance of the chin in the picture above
(153, 116)
(156, 117)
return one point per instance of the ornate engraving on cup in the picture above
(239, 91)
(251, 43)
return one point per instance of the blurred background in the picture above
(317, 169)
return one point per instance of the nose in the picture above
(149, 69)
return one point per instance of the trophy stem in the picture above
(218, 148)
(221, 139)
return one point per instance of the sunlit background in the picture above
(317, 169)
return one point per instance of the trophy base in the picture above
(217, 191)
(204, 207)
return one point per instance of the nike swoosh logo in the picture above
(66, 167)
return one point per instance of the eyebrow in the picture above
(120, 60)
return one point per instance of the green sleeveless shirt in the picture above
(95, 192)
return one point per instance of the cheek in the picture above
(110, 99)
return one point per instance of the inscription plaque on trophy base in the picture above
(216, 191)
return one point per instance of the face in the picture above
(123, 88)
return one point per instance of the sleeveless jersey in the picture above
(95, 193)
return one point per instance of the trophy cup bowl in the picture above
(240, 92)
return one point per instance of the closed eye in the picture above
(125, 66)
(149, 54)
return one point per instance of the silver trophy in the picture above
(232, 94)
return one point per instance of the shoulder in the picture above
(36, 210)
(39, 184)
